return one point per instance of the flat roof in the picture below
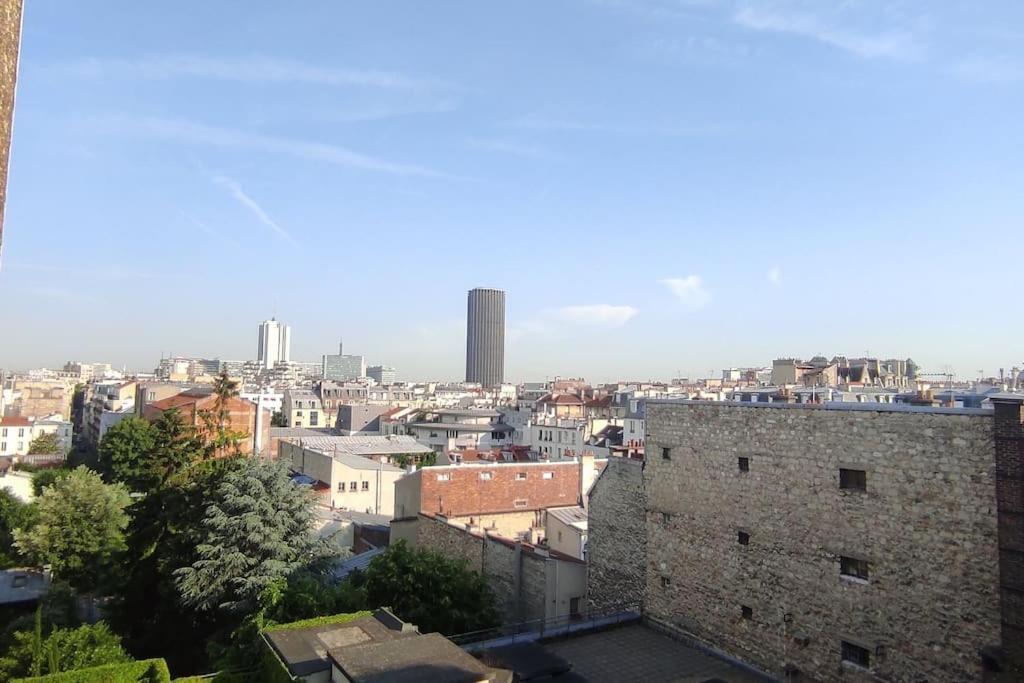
(828, 405)
(464, 426)
(22, 585)
(429, 657)
(571, 516)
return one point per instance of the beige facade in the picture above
(565, 530)
(42, 397)
(10, 41)
(302, 408)
(353, 482)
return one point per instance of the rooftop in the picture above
(15, 421)
(572, 515)
(828, 405)
(22, 585)
(361, 445)
(430, 657)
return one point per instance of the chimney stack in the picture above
(587, 475)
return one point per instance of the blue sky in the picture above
(660, 185)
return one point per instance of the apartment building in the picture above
(303, 408)
(453, 429)
(17, 433)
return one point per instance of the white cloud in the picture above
(689, 290)
(242, 70)
(314, 151)
(775, 276)
(600, 314)
(898, 44)
(248, 202)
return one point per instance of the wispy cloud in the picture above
(994, 70)
(236, 191)
(518, 149)
(216, 234)
(314, 151)
(382, 113)
(241, 70)
(894, 44)
(775, 276)
(595, 314)
(689, 290)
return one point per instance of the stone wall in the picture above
(926, 526)
(1009, 444)
(617, 537)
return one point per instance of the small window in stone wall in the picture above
(746, 612)
(743, 538)
(666, 582)
(853, 480)
(666, 517)
(666, 453)
(743, 464)
(855, 654)
(852, 567)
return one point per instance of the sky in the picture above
(663, 187)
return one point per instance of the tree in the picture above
(65, 649)
(125, 450)
(46, 442)
(14, 514)
(257, 530)
(221, 439)
(46, 477)
(80, 528)
(277, 419)
(431, 590)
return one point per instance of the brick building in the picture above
(243, 416)
(837, 542)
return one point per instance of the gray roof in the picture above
(429, 657)
(569, 515)
(283, 432)
(22, 585)
(363, 445)
(466, 412)
(464, 426)
(355, 563)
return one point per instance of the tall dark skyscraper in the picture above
(485, 337)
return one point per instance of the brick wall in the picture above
(466, 493)
(926, 525)
(10, 40)
(617, 537)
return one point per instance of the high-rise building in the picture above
(382, 374)
(341, 367)
(275, 343)
(485, 337)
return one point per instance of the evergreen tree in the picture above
(256, 531)
(221, 439)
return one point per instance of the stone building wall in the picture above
(1009, 444)
(617, 537)
(10, 40)
(926, 525)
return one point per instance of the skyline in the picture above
(661, 187)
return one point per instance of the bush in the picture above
(145, 671)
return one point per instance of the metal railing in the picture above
(537, 629)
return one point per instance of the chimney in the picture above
(587, 476)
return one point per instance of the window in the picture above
(520, 476)
(314, 418)
(486, 476)
(746, 612)
(21, 432)
(3, 447)
(519, 503)
(665, 582)
(341, 487)
(547, 475)
(19, 581)
(366, 486)
(853, 480)
(666, 453)
(443, 477)
(559, 535)
(353, 485)
(854, 568)
(5, 431)
(743, 538)
(856, 655)
(743, 464)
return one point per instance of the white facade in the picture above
(274, 343)
(16, 437)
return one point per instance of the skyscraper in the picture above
(485, 337)
(274, 344)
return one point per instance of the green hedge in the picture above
(145, 671)
(319, 621)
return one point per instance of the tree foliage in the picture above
(257, 529)
(14, 514)
(221, 439)
(31, 653)
(125, 450)
(80, 528)
(435, 592)
(47, 477)
(48, 442)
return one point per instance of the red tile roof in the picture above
(562, 399)
(15, 421)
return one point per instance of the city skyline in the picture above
(774, 179)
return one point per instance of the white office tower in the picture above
(275, 343)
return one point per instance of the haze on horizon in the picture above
(662, 187)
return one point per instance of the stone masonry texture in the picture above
(926, 525)
(616, 537)
(1009, 444)
(10, 39)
